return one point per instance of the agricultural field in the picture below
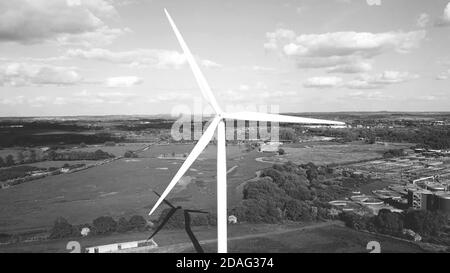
(118, 150)
(120, 188)
(323, 154)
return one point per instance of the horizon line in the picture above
(150, 115)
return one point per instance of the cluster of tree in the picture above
(426, 223)
(146, 124)
(393, 153)
(78, 155)
(7, 162)
(285, 191)
(5, 238)
(22, 157)
(100, 226)
(251, 146)
(16, 172)
(288, 134)
(130, 154)
(63, 229)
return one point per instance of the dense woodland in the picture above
(25, 133)
(291, 192)
(434, 137)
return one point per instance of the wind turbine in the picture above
(218, 122)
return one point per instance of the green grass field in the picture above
(336, 153)
(124, 187)
(121, 188)
(334, 239)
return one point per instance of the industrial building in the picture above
(122, 247)
(429, 200)
(270, 147)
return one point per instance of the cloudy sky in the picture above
(86, 57)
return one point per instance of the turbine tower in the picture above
(218, 122)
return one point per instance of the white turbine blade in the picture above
(201, 144)
(257, 116)
(222, 217)
(204, 86)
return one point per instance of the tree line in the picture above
(99, 226)
(433, 137)
(430, 225)
(78, 155)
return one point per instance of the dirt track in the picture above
(177, 248)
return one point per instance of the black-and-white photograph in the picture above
(224, 126)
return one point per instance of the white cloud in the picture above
(374, 2)
(23, 74)
(365, 95)
(34, 21)
(102, 36)
(262, 68)
(123, 81)
(323, 82)
(340, 51)
(210, 64)
(389, 77)
(443, 76)
(257, 92)
(38, 101)
(171, 97)
(445, 18)
(157, 58)
(356, 67)
(361, 84)
(86, 97)
(254, 96)
(366, 81)
(276, 94)
(244, 87)
(301, 9)
(429, 97)
(344, 43)
(83, 97)
(257, 86)
(423, 20)
(363, 81)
